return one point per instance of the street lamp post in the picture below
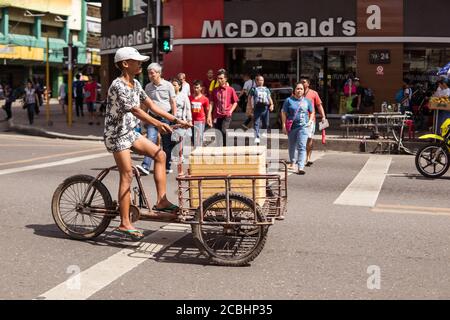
(47, 77)
(153, 21)
(69, 83)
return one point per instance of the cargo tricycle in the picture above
(229, 213)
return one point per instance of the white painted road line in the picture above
(365, 188)
(105, 272)
(53, 164)
(393, 208)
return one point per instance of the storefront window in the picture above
(283, 66)
(332, 63)
(341, 65)
(277, 65)
(421, 65)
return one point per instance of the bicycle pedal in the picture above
(158, 215)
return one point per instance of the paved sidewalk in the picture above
(57, 127)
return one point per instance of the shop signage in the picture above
(280, 20)
(142, 36)
(379, 56)
(251, 28)
(380, 71)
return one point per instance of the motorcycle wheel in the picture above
(432, 161)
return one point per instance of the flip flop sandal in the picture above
(170, 209)
(133, 233)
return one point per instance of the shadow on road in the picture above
(417, 176)
(181, 251)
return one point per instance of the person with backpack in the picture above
(78, 87)
(403, 97)
(249, 84)
(262, 104)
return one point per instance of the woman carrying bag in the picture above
(184, 113)
(296, 114)
(31, 100)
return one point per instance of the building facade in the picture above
(25, 27)
(381, 42)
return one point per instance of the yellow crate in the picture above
(214, 161)
(439, 106)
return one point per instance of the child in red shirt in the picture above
(90, 97)
(199, 109)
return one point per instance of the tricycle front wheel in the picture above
(68, 207)
(229, 245)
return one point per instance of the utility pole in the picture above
(69, 82)
(154, 15)
(47, 77)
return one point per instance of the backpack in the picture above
(399, 95)
(368, 98)
(79, 89)
(261, 96)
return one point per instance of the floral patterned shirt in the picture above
(120, 123)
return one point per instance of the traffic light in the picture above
(165, 37)
(66, 55)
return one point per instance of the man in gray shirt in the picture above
(162, 94)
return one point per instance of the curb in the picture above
(32, 131)
(332, 144)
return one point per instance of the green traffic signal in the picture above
(166, 46)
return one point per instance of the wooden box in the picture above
(215, 161)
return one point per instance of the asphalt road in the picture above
(396, 249)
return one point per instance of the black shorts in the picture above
(90, 106)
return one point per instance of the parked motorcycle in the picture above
(432, 160)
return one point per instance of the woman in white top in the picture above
(62, 96)
(443, 90)
(184, 113)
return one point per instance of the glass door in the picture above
(341, 63)
(334, 64)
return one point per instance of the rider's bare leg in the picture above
(146, 147)
(123, 161)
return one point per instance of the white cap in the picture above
(129, 53)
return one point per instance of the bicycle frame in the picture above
(110, 211)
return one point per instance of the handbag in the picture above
(323, 124)
(289, 123)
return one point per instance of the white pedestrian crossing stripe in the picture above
(366, 186)
(105, 272)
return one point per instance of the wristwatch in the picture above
(176, 120)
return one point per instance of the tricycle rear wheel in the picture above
(230, 245)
